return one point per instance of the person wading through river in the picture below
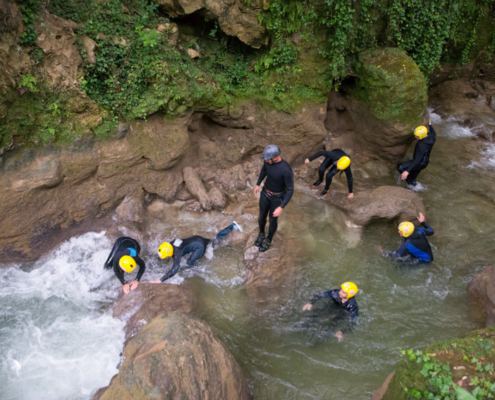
(409, 170)
(123, 258)
(337, 161)
(275, 195)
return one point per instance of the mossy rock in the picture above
(391, 85)
(470, 360)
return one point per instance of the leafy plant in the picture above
(28, 81)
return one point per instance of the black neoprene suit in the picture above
(125, 246)
(421, 156)
(331, 158)
(350, 306)
(280, 182)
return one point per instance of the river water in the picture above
(59, 341)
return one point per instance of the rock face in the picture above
(149, 301)
(482, 290)
(196, 188)
(384, 202)
(177, 357)
(234, 17)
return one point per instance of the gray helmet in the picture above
(271, 151)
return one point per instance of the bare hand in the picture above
(339, 335)
(134, 285)
(278, 211)
(126, 289)
(306, 161)
(307, 307)
(158, 281)
(256, 190)
(429, 123)
(380, 249)
(421, 218)
(351, 195)
(404, 175)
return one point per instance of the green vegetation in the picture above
(453, 369)
(29, 9)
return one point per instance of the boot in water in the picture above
(260, 240)
(411, 182)
(317, 183)
(266, 245)
(324, 193)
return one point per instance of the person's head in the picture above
(406, 229)
(348, 290)
(165, 250)
(271, 154)
(420, 132)
(127, 264)
(343, 163)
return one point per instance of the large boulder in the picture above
(482, 290)
(196, 188)
(384, 202)
(177, 357)
(151, 300)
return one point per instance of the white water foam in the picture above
(451, 126)
(487, 158)
(58, 339)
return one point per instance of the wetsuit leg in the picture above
(330, 174)
(222, 234)
(275, 202)
(197, 252)
(323, 167)
(403, 166)
(414, 174)
(264, 210)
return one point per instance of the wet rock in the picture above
(192, 205)
(384, 202)
(217, 199)
(165, 184)
(482, 291)
(192, 53)
(131, 209)
(43, 173)
(90, 46)
(196, 187)
(177, 357)
(149, 301)
(383, 389)
(232, 179)
(183, 194)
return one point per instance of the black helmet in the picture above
(271, 151)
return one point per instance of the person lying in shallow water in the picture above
(124, 257)
(194, 245)
(342, 298)
(415, 243)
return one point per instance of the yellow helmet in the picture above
(407, 228)
(350, 288)
(343, 163)
(420, 132)
(165, 250)
(127, 263)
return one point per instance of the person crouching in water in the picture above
(415, 242)
(343, 299)
(194, 245)
(409, 170)
(124, 257)
(337, 160)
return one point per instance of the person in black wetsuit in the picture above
(337, 160)
(344, 299)
(194, 245)
(410, 170)
(123, 258)
(415, 243)
(276, 193)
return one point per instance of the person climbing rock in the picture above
(276, 193)
(415, 242)
(194, 245)
(409, 170)
(344, 300)
(124, 257)
(337, 160)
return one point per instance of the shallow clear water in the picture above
(57, 336)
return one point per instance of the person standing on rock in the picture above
(409, 170)
(344, 299)
(276, 194)
(123, 258)
(337, 160)
(415, 242)
(194, 245)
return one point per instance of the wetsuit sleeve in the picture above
(321, 153)
(401, 252)
(118, 272)
(262, 174)
(420, 152)
(428, 229)
(289, 187)
(432, 132)
(142, 267)
(175, 267)
(348, 174)
(321, 295)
